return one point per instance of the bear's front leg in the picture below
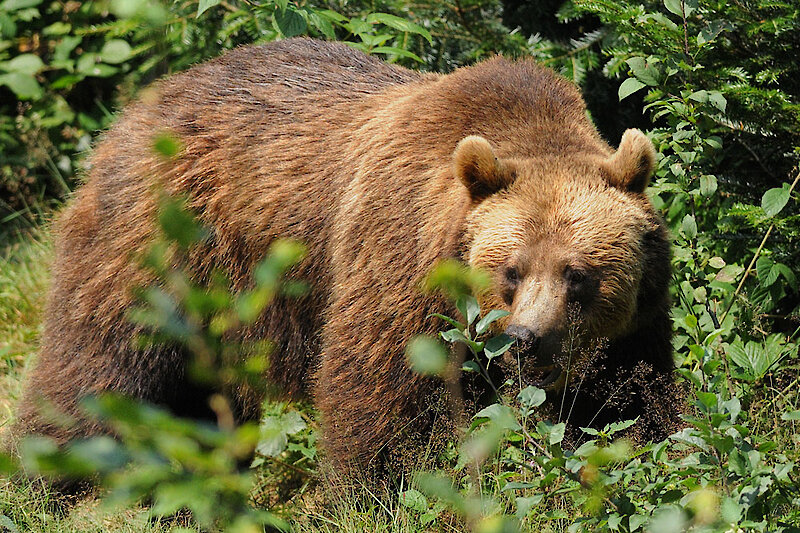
(371, 402)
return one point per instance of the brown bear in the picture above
(382, 172)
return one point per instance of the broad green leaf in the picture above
(290, 22)
(532, 397)
(292, 422)
(628, 87)
(557, 433)
(414, 499)
(498, 345)
(737, 354)
(57, 28)
(399, 24)
(763, 266)
(273, 439)
(470, 366)
(774, 200)
(712, 30)
(791, 415)
(616, 427)
(689, 227)
(716, 99)
(587, 448)
(454, 335)
(708, 184)
(738, 462)
(323, 24)
(426, 356)
(636, 521)
(787, 274)
(716, 262)
(23, 85)
(708, 399)
(493, 315)
(28, 64)
(14, 5)
(204, 5)
(644, 71)
(524, 505)
(469, 308)
(115, 51)
(7, 523)
(502, 415)
(680, 7)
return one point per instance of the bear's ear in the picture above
(631, 166)
(481, 172)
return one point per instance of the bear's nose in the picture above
(524, 336)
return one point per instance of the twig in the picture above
(686, 33)
(755, 257)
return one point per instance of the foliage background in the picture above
(715, 84)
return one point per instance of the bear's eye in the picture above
(512, 276)
(574, 277)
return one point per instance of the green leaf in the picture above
(791, 415)
(115, 51)
(14, 5)
(708, 399)
(616, 427)
(396, 51)
(178, 224)
(679, 7)
(498, 345)
(636, 521)
(399, 24)
(7, 523)
(28, 64)
(644, 71)
(557, 433)
(426, 356)
(710, 32)
(484, 323)
(689, 227)
(414, 499)
(532, 397)
(774, 200)
(787, 274)
(24, 86)
(470, 366)
(454, 335)
(455, 323)
(524, 505)
(57, 28)
(716, 262)
(322, 24)
(628, 87)
(716, 99)
(763, 268)
(708, 184)
(738, 462)
(502, 415)
(166, 145)
(290, 22)
(203, 5)
(469, 308)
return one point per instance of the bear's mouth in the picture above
(544, 377)
(536, 368)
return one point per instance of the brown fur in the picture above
(320, 143)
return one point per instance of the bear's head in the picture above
(576, 252)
